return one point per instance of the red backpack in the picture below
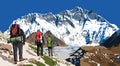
(14, 29)
(38, 36)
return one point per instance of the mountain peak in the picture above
(77, 9)
(69, 26)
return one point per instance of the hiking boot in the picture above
(15, 62)
(22, 59)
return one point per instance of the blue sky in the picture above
(12, 9)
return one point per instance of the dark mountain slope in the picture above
(114, 40)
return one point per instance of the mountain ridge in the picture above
(75, 27)
(113, 40)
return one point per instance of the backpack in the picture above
(38, 36)
(53, 42)
(14, 30)
(20, 32)
(49, 41)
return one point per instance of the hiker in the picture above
(49, 45)
(39, 39)
(18, 34)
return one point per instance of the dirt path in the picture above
(7, 60)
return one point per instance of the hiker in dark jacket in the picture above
(16, 32)
(39, 42)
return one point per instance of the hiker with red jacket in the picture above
(39, 42)
(17, 39)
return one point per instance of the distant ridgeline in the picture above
(114, 40)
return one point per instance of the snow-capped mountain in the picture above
(76, 27)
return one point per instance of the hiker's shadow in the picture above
(7, 58)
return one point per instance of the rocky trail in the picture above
(31, 59)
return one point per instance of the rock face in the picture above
(6, 48)
(106, 55)
(115, 50)
(31, 39)
(114, 40)
(57, 42)
(99, 55)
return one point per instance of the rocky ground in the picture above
(100, 56)
(31, 59)
(95, 55)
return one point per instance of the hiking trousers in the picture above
(39, 48)
(50, 51)
(16, 47)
